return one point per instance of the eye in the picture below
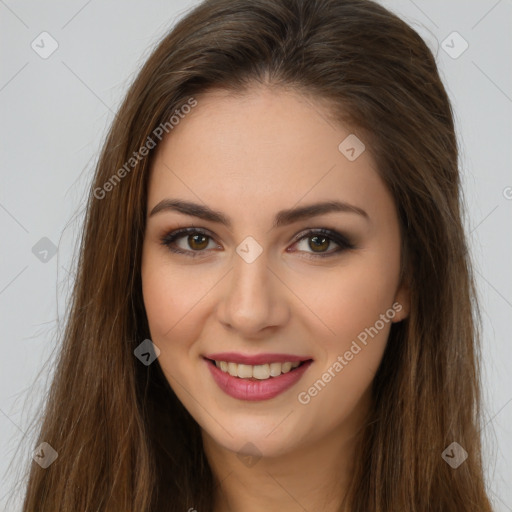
(196, 240)
(319, 240)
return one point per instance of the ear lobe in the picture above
(402, 303)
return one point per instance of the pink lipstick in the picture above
(253, 389)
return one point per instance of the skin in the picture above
(250, 157)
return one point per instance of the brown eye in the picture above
(195, 241)
(316, 242)
(319, 243)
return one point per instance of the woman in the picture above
(273, 306)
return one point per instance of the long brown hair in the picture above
(124, 440)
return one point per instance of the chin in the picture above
(250, 440)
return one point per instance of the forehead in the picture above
(263, 147)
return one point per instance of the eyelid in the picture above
(170, 237)
(343, 242)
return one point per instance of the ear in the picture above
(402, 302)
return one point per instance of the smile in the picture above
(256, 382)
(260, 371)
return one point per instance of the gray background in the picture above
(55, 113)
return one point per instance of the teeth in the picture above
(233, 369)
(259, 371)
(286, 367)
(244, 371)
(275, 369)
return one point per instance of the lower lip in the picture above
(253, 390)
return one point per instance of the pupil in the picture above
(316, 238)
(194, 237)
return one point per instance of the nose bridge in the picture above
(250, 279)
(252, 301)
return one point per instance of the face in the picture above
(255, 281)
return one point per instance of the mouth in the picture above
(257, 372)
(256, 382)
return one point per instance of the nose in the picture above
(255, 298)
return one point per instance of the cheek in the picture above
(354, 303)
(352, 349)
(350, 299)
(172, 301)
(160, 300)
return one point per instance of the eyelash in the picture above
(343, 242)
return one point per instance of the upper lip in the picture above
(235, 357)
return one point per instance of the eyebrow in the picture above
(284, 217)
